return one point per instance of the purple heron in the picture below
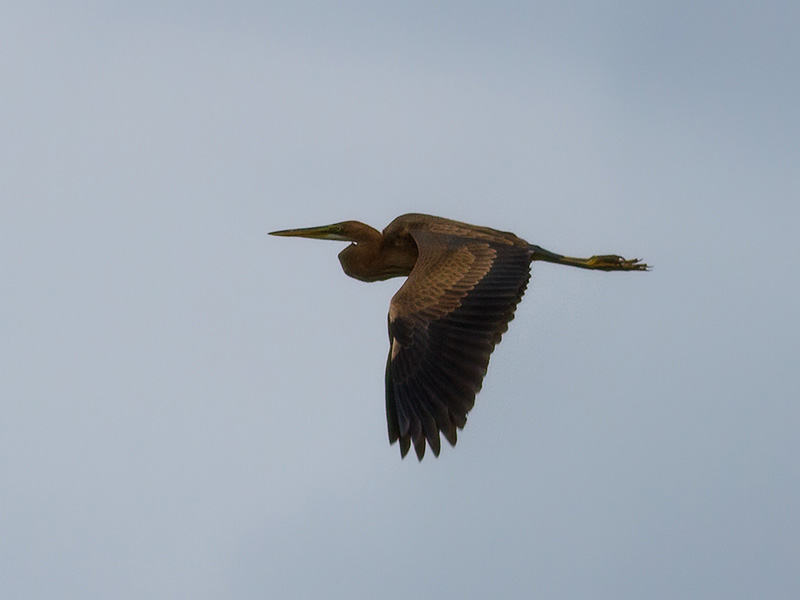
(464, 283)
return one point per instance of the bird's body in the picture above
(464, 283)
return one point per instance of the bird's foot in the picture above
(612, 262)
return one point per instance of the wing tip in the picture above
(422, 442)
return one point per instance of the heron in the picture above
(463, 285)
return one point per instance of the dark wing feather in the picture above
(444, 323)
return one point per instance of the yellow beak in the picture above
(324, 232)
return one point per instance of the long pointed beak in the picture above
(324, 232)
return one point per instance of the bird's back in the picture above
(404, 224)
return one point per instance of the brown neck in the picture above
(359, 258)
(370, 259)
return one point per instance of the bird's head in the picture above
(346, 231)
(359, 258)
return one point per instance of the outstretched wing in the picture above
(444, 323)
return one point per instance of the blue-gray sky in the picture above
(189, 408)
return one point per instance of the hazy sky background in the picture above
(192, 409)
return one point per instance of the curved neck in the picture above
(371, 258)
(359, 259)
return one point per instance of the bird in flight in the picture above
(464, 283)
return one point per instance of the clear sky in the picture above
(190, 408)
